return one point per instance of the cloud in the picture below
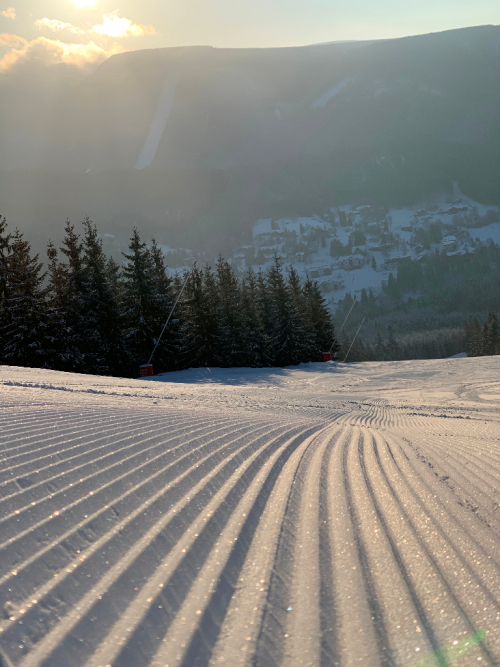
(51, 52)
(58, 26)
(117, 26)
(8, 39)
(9, 13)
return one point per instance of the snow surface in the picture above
(485, 233)
(330, 94)
(325, 514)
(157, 128)
(354, 280)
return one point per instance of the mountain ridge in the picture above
(247, 133)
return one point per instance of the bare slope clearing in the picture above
(322, 515)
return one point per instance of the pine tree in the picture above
(138, 308)
(289, 336)
(255, 339)
(392, 345)
(473, 338)
(264, 306)
(392, 287)
(169, 353)
(490, 338)
(374, 262)
(320, 319)
(200, 315)
(345, 344)
(230, 316)
(24, 328)
(113, 276)
(68, 289)
(308, 302)
(213, 341)
(380, 349)
(103, 346)
(5, 249)
(56, 324)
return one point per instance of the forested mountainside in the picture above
(420, 313)
(195, 144)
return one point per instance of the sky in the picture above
(85, 32)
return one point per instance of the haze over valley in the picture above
(195, 144)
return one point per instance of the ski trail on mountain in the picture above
(347, 516)
(158, 125)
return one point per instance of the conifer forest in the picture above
(482, 341)
(83, 312)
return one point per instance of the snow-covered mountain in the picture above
(196, 144)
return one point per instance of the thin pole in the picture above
(168, 318)
(355, 299)
(357, 332)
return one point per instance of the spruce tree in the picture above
(320, 320)
(289, 337)
(138, 308)
(255, 339)
(392, 287)
(473, 338)
(213, 342)
(306, 305)
(392, 345)
(345, 344)
(264, 305)
(169, 353)
(200, 315)
(5, 238)
(56, 324)
(5, 249)
(380, 349)
(103, 347)
(230, 317)
(491, 332)
(24, 327)
(68, 290)
(114, 278)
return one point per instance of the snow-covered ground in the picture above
(325, 514)
(485, 233)
(442, 209)
(158, 125)
(333, 92)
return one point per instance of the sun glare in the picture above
(81, 4)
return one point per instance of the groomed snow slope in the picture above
(321, 515)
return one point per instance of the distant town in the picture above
(351, 247)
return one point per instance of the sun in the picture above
(81, 4)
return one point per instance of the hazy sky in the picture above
(82, 31)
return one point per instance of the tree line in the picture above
(83, 312)
(482, 340)
(430, 344)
